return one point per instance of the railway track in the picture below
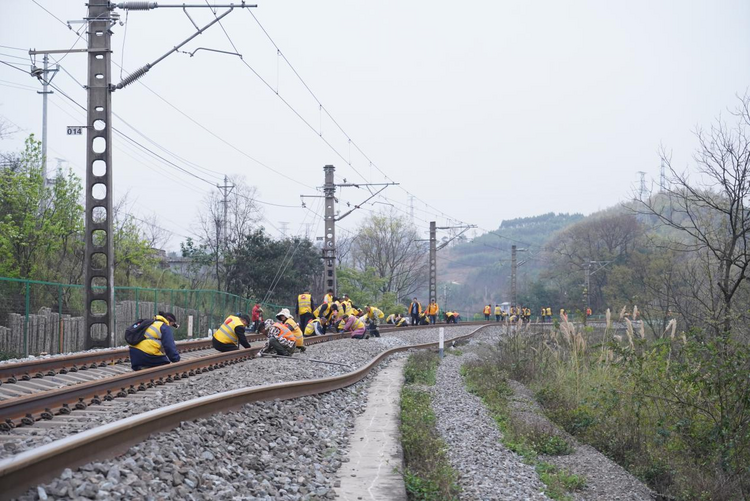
(27, 469)
(44, 398)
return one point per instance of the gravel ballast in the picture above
(351, 352)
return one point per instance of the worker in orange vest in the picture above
(281, 339)
(487, 310)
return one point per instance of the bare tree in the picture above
(243, 214)
(390, 244)
(709, 215)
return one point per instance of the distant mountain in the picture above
(481, 267)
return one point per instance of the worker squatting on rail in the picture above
(281, 340)
(231, 334)
(155, 344)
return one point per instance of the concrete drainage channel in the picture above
(34, 466)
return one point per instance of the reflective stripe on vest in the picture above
(304, 301)
(152, 342)
(225, 334)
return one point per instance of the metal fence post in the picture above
(60, 327)
(26, 323)
(137, 304)
(211, 314)
(156, 301)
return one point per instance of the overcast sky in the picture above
(483, 110)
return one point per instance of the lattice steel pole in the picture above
(329, 244)
(99, 258)
(513, 275)
(433, 262)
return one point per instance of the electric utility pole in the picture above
(99, 254)
(434, 248)
(587, 285)
(513, 274)
(330, 218)
(225, 190)
(43, 75)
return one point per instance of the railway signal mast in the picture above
(99, 257)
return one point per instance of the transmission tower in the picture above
(225, 190)
(642, 188)
(284, 228)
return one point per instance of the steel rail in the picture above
(38, 368)
(21, 472)
(26, 410)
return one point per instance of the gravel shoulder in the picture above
(605, 479)
(488, 471)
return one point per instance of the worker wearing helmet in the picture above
(231, 334)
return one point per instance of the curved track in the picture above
(30, 468)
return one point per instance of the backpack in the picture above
(137, 332)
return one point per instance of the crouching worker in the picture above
(373, 316)
(286, 318)
(281, 340)
(231, 334)
(152, 342)
(401, 321)
(316, 327)
(355, 326)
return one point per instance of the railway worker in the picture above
(549, 314)
(231, 334)
(355, 326)
(498, 312)
(449, 318)
(373, 316)
(486, 312)
(543, 315)
(281, 340)
(432, 311)
(257, 317)
(286, 318)
(391, 319)
(158, 346)
(401, 321)
(305, 307)
(588, 312)
(316, 327)
(326, 311)
(415, 311)
(328, 298)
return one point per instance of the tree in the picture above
(273, 269)
(243, 214)
(37, 221)
(709, 216)
(390, 245)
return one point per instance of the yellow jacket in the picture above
(432, 309)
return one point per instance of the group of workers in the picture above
(513, 314)
(154, 344)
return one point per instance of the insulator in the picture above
(133, 76)
(137, 5)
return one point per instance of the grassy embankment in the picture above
(673, 410)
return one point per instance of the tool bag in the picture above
(137, 332)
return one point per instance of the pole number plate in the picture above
(75, 130)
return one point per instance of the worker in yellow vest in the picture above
(432, 311)
(486, 312)
(316, 327)
(305, 307)
(231, 334)
(549, 314)
(415, 311)
(401, 321)
(391, 319)
(328, 298)
(498, 312)
(285, 317)
(281, 340)
(372, 316)
(156, 345)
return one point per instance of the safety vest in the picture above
(296, 331)
(391, 318)
(285, 332)
(375, 312)
(432, 309)
(347, 307)
(497, 310)
(312, 327)
(225, 334)
(401, 322)
(358, 324)
(304, 302)
(549, 312)
(328, 299)
(152, 342)
(486, 310)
